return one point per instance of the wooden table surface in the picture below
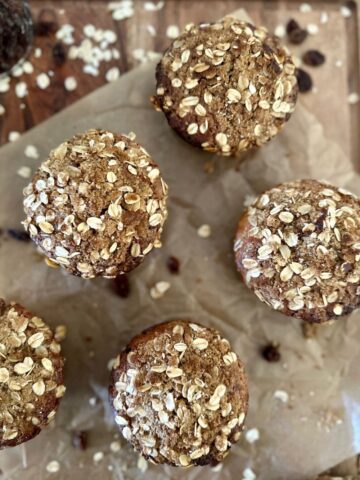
(148, 30)
(23, 113)
(143, 30)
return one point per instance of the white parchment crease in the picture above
(320, 424)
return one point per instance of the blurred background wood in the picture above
(133, 33)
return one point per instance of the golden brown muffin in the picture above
(298, 248)
(97, 206)
(226, 87)
(31, 375)
(179, 394)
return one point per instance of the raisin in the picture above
(19, 235)
(122, 286)
(173, 265)
(271, 353)
(314, 58)
(304, 80)
(79, 440)
(59, 54)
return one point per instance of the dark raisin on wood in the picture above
(79, 440)
(304, 80)
(19, 235)
(44, 29)
(173, 265)
(59, 54)
(291, 26)
(271, 353)
(121, 286)
(46, 23)
(314, 58)
(295, 33)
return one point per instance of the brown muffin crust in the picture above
(226, 87)
(179, 394)
(298, 248)
(31, 375)
(98, 204)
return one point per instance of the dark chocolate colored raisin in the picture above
(314, 58)
(122, 286)
(19, 235)
(304, 80)
(59, 54)
(296, 34)
(173, 265)
(271, 353)
(79, 440)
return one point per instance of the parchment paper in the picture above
(318, 426)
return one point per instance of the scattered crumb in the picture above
(92, 401)
(152, 7)
(17, 71)
(65, 34)
(305, 8)
(151, 29)
(172, 31)
(31, 151)
(324, 18)
(281, 395)
(98, 456)
(204, 231)
(345, 11)
(115, 446)
(89, 30)
(217, 468)
(21, 90)
(339, 63)
(53, 466)
(43, 81)
(13, 136)
(70, 84)
(280, 31)
(111, 364)
(37, 52)
(312, 29)
(4, 84)
(248, 474)
(121, 9)
(353, 98)
(24, 172)
(60, 331)
(28, 68)
(112, 74)
(252, 435)
(159, 289)
(2, 110)
(142, 464)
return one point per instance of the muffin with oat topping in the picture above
(31, 375)
(226, 87)
(97, 206)
(179, 394)
(298, 248)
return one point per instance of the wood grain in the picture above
(339, 38)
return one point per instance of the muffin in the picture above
(226, 87)
(98, 204)
(298, 248)
(31, 375)
(179, 394)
